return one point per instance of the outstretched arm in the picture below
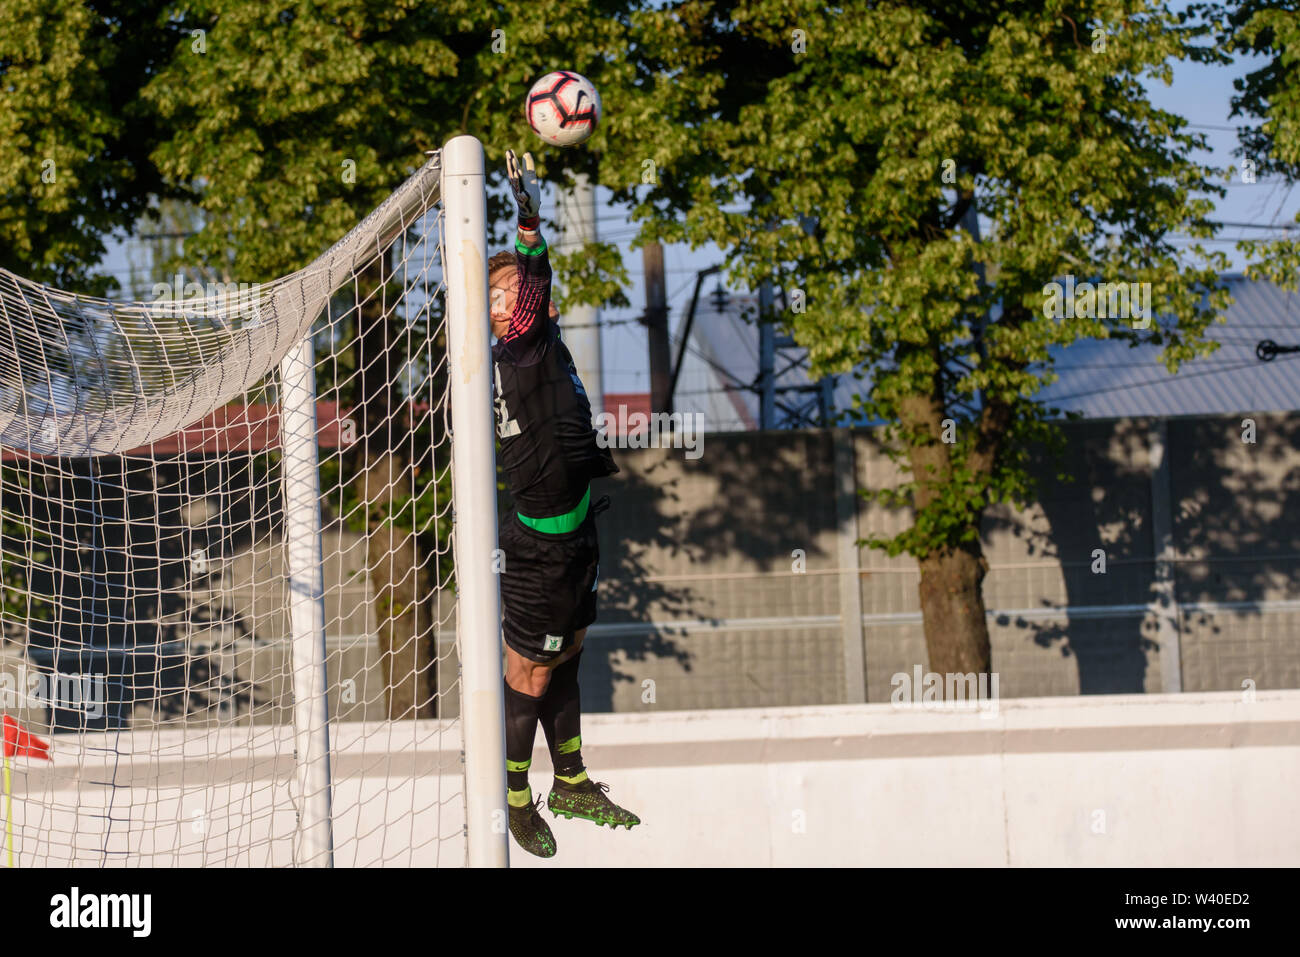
(533, 301)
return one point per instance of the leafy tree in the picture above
(845, 154)
(288, 126)
(282, 126)
(74, 134)
(1268, 98)
(74, 146)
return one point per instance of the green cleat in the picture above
(531, 831)
(587, 800)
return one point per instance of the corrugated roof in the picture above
(1102, 378)
(1098, 378)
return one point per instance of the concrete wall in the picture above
(1145, 780)
(728, 581)
(702, 595)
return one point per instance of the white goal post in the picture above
(247, 540)
(474, 472)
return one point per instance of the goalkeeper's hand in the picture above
(527, 190)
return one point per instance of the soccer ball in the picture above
(563, 108)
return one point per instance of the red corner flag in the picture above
(22, 743)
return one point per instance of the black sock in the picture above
(522, 711)
(561, 716)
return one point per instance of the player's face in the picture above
(503, 288)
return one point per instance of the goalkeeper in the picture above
(550, 455)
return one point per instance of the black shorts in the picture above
(548, 586)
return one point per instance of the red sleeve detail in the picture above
(533, 301)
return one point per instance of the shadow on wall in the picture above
(1105, 504)
(741, 504)
(640, 520)
(1228, 502)
(1237, 502)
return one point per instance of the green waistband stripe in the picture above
(559, 524)
(518, 765)
(568, 747)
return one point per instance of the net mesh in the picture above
(146, 628)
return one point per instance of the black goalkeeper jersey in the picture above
(548, 446)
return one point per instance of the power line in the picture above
(1181, 376)
(1252, 225)
(602, 323)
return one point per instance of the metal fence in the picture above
(729, 580)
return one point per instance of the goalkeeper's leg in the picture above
(526, 823)
(573, 793)
(548, 590)
(528, 687)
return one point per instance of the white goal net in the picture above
(230, 606)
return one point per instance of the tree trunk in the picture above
(399, 572)
(952, 608)
(952, 578)
(407, 627)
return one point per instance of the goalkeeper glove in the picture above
(527, 190)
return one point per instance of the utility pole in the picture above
(766, 358)
(782, 403)
(576, 211)
(656, 319)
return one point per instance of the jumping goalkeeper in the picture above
(550, 455)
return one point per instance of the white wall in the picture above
(1097, 781)
(1205, 779)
